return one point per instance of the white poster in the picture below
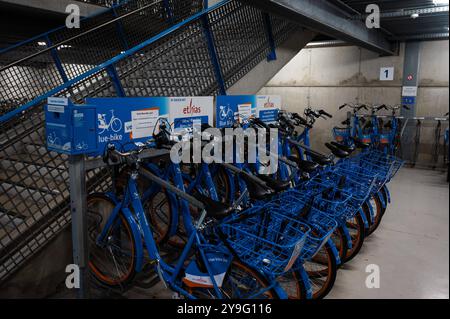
(143, 122)
(267, 107)
(244, 111)
(409, 91)
(184, 111)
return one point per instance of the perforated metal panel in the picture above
(31, 69)
(34, 195)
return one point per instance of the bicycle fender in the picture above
(335, 251)
(363, 216)
(380, 197)
(305, 279)
(388, 193)
(137, 238)
(371, 212)
(347, 236)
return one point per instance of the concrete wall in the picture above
(330, 77)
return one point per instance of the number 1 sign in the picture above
(387, 74)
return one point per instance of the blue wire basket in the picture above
(330, 198)
(264, 238)
(341, 134)
(377, 166)
(300, 205)
(380, 158)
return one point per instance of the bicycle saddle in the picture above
(337, 151)
(255, 190)
(359, 143)
(345, 148)
(276, 185)
(217, 210)
(305, 166)
(319, 159)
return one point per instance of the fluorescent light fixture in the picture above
(41, 43)
(440, 2)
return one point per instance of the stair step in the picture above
(50, 162)
(32, 181)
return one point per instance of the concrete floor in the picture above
(411, 246)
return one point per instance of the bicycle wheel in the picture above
(159, 213)
(341, 242)
(321, 270)
(112, 262)
(377, 208)
(292, 284)
(116, 125)
(240, 282)
(356, 229)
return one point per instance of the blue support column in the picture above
(272, 54)
(168, 11)
(57, 60)
(411, 67)
(120, 30)
(115, 80)
(213, 54)
(411, 75)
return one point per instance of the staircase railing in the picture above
(32, 67)
(203, 55)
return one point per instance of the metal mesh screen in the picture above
(240, 38)
(98, 39)
(34, 195)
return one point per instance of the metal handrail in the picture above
(45, 34)
(55, 46)
(110, 62)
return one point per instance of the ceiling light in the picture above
(42, 43)
(414, 15)
(440, 2)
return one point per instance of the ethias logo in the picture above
(192, 109)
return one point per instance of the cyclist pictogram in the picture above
(115, 124)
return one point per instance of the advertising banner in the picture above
(231, 108)
(184, 111)
(268, 107)
(123, 120)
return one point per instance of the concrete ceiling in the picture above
(396, 20)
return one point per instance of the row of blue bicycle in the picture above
(224, 230)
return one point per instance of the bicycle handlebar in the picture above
(322, 112)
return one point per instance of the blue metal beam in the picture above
(57, 60)
(213, 54)
(272, 54)
(112, 72)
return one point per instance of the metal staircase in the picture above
(184, 54)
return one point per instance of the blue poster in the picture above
(125, 120)
(188, 122)
(230, 107)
